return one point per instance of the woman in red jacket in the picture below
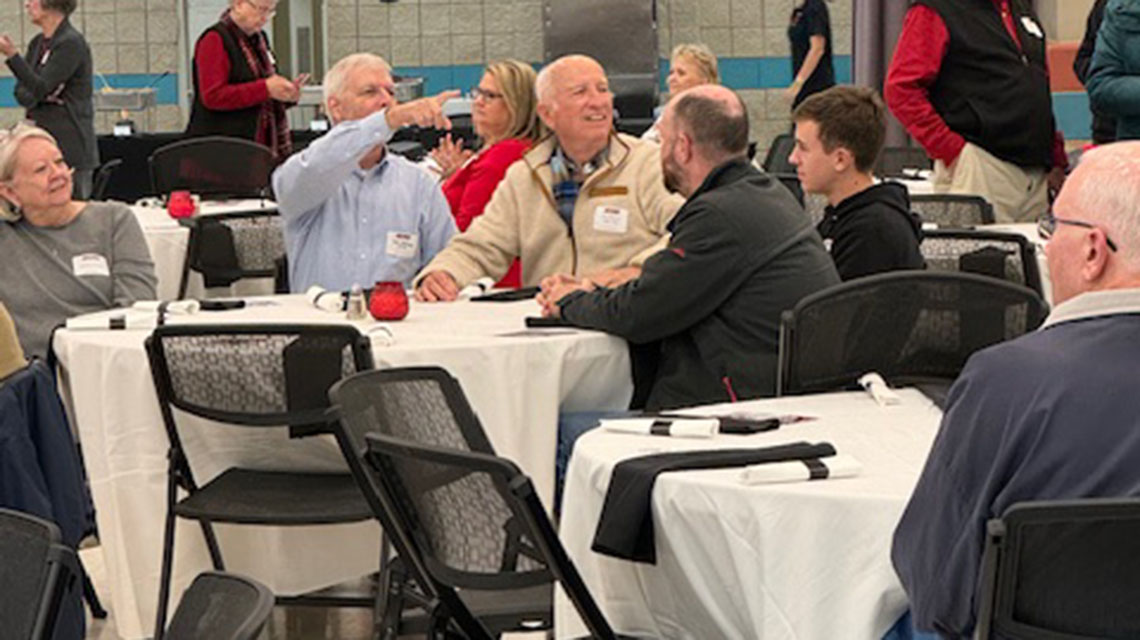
(505, 121)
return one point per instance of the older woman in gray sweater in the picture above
(61, 257)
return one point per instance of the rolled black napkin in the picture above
(625, 529)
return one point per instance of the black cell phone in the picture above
(221, 305)
(535, 322)
(511, 295)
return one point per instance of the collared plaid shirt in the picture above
(568, 179)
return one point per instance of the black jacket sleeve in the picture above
(65, 58)
(702, 266)
(1084, 54)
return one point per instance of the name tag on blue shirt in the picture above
(402, 245)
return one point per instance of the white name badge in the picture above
(402, 245)
(90, 264)
(611, 219)
(1031, 26)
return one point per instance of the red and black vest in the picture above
(239, 123)
(991, 92)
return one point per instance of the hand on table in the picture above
(425, 112)
(611, 278)
(450, 155)
(554, 288)
(437, 286)
(282, 89)
(7, 47)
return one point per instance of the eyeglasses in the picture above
(480, 92)
(267, 11)
(1047, 225)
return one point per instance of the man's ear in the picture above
(1096, 254)
(841, 159)
(333, 107)
(545, 112)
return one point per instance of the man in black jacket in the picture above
(869, 228)
(741, 253)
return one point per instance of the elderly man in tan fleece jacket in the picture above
(585, 201)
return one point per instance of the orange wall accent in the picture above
(1061, 76)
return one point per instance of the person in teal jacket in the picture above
(1114, 77)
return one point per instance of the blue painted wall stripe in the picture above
(167, 87)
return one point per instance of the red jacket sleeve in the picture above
(213, 78)
(918, 57)
(485, 174)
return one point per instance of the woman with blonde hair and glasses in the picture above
(690, 65)
(507, 125)
(61, 257)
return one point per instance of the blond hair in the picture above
(10, 141)
(516, 82)
(702, 58)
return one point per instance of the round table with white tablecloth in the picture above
(803, 560)
(516, 380)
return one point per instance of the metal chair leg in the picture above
(167, 561)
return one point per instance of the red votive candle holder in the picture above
(180, 204)
(389, 301)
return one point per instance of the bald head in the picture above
(714, 117)
(1105, 190)
(564, 71)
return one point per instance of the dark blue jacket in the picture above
(1052, 415)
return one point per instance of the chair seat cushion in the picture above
(246, 496)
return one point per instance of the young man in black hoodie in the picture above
(868, 228)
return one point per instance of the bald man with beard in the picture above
(741, 253)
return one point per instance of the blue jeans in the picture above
(571, 426)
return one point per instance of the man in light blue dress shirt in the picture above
(354, 213)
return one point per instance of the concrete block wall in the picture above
(130, 40)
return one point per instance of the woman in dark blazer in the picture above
(54, 84)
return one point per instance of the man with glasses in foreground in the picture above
(237, 90)
(1050, 415)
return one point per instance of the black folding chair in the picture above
(465, 508)
(791, 182)
(1006, 256)
(427, 406)
(214, 167)
(221, 606)
(102, 178)
(1062, 570)
(952, 210)
(776, 161)
(37, 573)
(254, 376)
(909, 326)
(232, 247)
(894, 162)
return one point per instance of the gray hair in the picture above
(10, 141)
(336, 77)
(1109, 195)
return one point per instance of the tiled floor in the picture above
(287, 623)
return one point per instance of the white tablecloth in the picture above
(167, 241)
(515, 383)
(797, 561)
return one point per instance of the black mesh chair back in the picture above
(228, 248)
(213, 167)
(1063, 570)
(221, 606)
(475, 546)
(776, 161)
(909, 326)
(1006, 256)
(466, 508)
(951, 210)
(253, 376)
(899, 162)
(102, 178)
(37, 572)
